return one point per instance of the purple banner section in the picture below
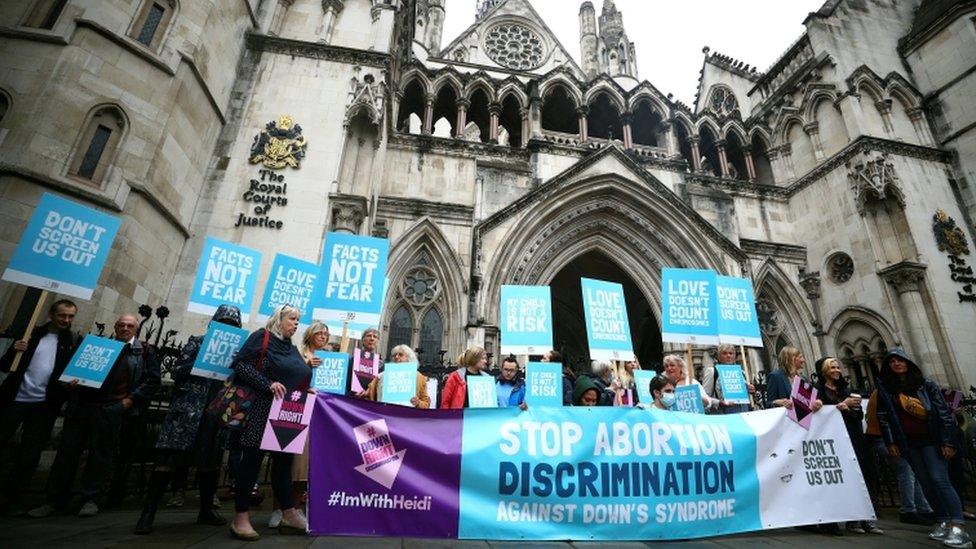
(381, 469)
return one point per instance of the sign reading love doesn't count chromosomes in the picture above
(607, 327)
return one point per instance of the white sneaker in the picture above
(958, 538)
(89, 509)
(275, 519)
(43, 511)
(940, 532)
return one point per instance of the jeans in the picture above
(95, 428)
(36, 420)
(247, 474)
(910, 492)
(932, 472)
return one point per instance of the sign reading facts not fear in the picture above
(350, 285)
(226, 274)
(63, 248)
(217, 351)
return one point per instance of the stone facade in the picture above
(497, 159)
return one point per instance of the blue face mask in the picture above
(667, 399)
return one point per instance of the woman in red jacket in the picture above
(471, 363)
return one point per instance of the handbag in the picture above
(912, 406)
(233, 401)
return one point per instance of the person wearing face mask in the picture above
(471, 363)
(662, 389)
(675, 370)
(401, 354)
(270, 364)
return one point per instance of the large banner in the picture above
(526, 320)
(610, 473)
(63, 248)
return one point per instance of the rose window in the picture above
(723, 103)
(841, 267)
(420, 286)
(514, 47)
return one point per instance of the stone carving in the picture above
(279, 144)
(950, 238)
(906, 276)
(514, 46)
(348, 212)
(365, 95)
(768, 316)
(811, 284)
(420, 286)
(873, 177)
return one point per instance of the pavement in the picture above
(176, 528)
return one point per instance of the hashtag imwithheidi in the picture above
(380, 501)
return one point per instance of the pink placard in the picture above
(287, 426)
(803, 396)
(365, 367)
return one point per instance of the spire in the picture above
(617, 56)
(483, 7)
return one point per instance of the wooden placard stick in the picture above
(344, 340)
(30, 328)
(689, 365)
(745, 370)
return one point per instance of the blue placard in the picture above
(688, 398)
(217, 351)
(481, 392)
(607, 327)
(226, 274)
(399, 382)
(526, 320)
(689, 307)
(63, 248)
(733, 383)
(291, 282)
(350, 284)
(544, 384)
(738, 323)
(642, 379)
(92, 361)
(332, 374)
(355, 329)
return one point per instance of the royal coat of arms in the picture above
(279, 144)
(948, 236)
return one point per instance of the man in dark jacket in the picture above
(32, 395)
(94, 418)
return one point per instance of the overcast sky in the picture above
(669, 35)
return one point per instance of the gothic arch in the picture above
(762, 133)
(896, 89)
(782, 132)
(812, 100)
(647, 96)
(448, 79)
(682, 119)
(792, 316)
(515, 91)
(480, 83)
(603, 87)
(570, 87)
(421, 78)
(707, 122)
(733, 126)
(863, 315)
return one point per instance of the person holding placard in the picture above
(602, 377)
(94, 418)
(676, 370)
(273, 367)
(569, 376)
(364, 363)
(401, 354)
(189, 435)
(470, 363)
(32, 397)
(713, 387)
(662, 389)
(779, 385)
(510, 385)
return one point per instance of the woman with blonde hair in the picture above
(471, 362)
(400, 354)
(712, 387)
(779, 385)
(675, 370)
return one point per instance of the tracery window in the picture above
(514, 46)
(722, 101)
(840, 267)
(417, 320)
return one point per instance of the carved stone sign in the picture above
(952, 240)
(270, 190)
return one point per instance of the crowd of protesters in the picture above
(905, 421)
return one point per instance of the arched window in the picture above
(418, 318)
(400, 327)
(722, 101)
(411, 104)
(151, 22)
(431, 334)
(4, 106)
(559, 111)
(603, 120)
(98, 144)
(45, 14)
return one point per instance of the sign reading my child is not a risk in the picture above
(607, 327)
(217, 351)
(291, 282)
(92, 361)
(63, 248)
(226, 275)
(350, 284)
(526, 320)
(544, 384)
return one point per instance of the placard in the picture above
(642, 379)
(738, 322)
(226, 274)
(399, 383)
(733, 383)
(688, 303)
(331, 376)
(481, 392)
(544, 384)
(63, 248)
(525, 320)
(92, 361)
(354, 329)
(288, 420)
(217, 351)
(607, 327)
(350, 284)
(365, 366)
(291, 282)
(803, 395)
(688, 398)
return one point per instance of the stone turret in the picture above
(588, 40)
(616, 53)
(430, 24)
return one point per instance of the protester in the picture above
(779, 385)
(188, 434)
(916, 424)
(833, 389)
(662, 389)
(269, 364)
(569, 376)
(586, 392)
(368, 343)
(676, 370)
(471, 363)
(510, 385)
(32, 396)
(93, 420)
(713, 388)
(625, 389)
(602, 376)
(402, 354)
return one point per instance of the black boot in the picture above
(158, 482)
(208, 488)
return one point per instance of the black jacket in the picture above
(941, 425)
(142, 363)
(67, 344)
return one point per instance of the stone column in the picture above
(750, 166)
(723, 161)
(348, 212)
(582, 111)
(695, 153)
(670, 138)
(535, 117)
(462, 115)
(395, 109)
(428, 114)
(330, 13)
(884, 107)
(786, 155)
(921, 124)
(813, 130)
(494, 111)
(850, 109)
(526, 126)
(811, 285)
(908, 280)
(626, 119)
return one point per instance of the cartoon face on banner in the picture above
(92, 361)
(63, 248)
(227, 274)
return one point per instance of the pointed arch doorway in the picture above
(569, 330)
